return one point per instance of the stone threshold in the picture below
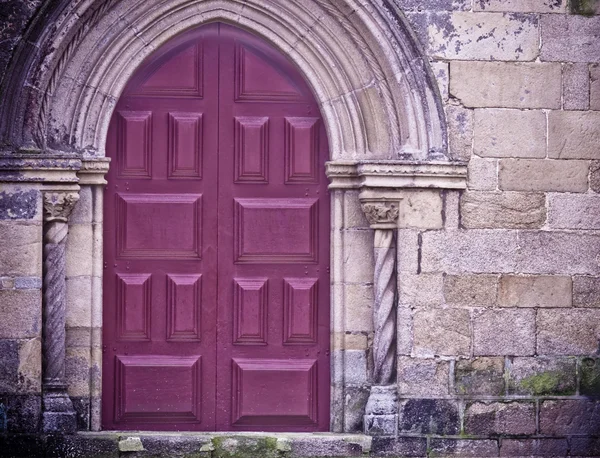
(151, 444)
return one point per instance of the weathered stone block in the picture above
(483, 36)
(451, 213)
(79, 302)
(595, 87)
(422, 290)
(509, 133)
(18, 203)
(479, 376)
(404, 336)
(595, 176)
(421, 209)
(589, 371)
(441, 71)
(586, 292)
(442, 332)
(542, 376)
(28, 283)
(77, 371)
(504, 332)
(482, 174)
(502, 210)
(30, 366)
(490, 418)
(79, 250)
(83, 212)
(534, 291)
(23, 412)
(407, 244)
(470, 290)
(568, 331)
(429, 416)
(308, 447)
(576, 86)
(358, 260)
(585, 446)
(460, 132)
(508, 85)
(21, 312)
(567, 211)
(521, 6)
(559, 253)
(354, 408)
(21, 249)
(9, 366)
(534, 447)
(422, 377)
(434, 5)
(401, 446)
(464, 447)
(543, 175)
(559, 418)
(569, 38)
(477, 251)
(355, 367)
(574, 134)
(381, 425)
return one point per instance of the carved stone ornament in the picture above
(381, 214)
(58, 205)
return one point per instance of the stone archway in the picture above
(378, 99)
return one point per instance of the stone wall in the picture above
(498, 314)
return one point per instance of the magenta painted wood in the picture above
(216, 282)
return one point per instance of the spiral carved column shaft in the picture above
(59, 415)
(381, 409)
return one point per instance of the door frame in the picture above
(378, 99)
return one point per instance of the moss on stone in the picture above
(545, 383)
(590, 377)
(245, 447)
(585, 7)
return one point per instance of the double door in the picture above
(216, 233)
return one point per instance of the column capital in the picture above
(381, 213)
(58, 205)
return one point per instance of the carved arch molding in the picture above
(377, 96)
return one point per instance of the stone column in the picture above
(58, 415)
(381, 413)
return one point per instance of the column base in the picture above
(381, 412)
(58, 415)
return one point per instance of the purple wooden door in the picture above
(216, 282)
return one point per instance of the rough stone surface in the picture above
(359, 302)
(568, 331)
(401, 446)
(470, 290)
(586, 292)
(584, 7)
(534, 291)
(442, 332)
(356, 367)
(30, 366)
(9, 365)
(521, 6)
(21, 249)
(460, 132)
(595, 87)
(21, 312)
(568, 211)
(493, 36)
(559, 418)
(421, 209)
(464, 447)
(422, 377)
(576, 86)
(477, 251)
(589, 371)
(429, 416)
(540, 376)
(574, 134)
(559, 253)
(434, 5)
(595, 176)
(534, 447)
(441, 71)
(23, 412)
(506, 85)
(355, 402)
(18, 204)
(482, 174)
(504, 332)
(509, 133)
(479, 376)
(423, 290)
(585, 446)
(490, 418)
(570, 38)
(502, 210)
(543, 175)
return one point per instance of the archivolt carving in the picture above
(360, 58)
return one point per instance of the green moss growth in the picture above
(590, 377)
(545, 383)
(585, 7)
(245, 447)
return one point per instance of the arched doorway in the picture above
(216, 235)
